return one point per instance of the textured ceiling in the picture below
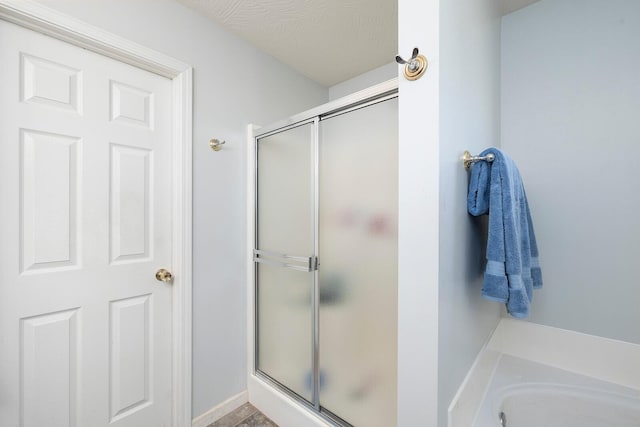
(329, 41)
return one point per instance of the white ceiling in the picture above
(329, 41)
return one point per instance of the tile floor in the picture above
(245, 416)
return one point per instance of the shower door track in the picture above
(325, 414)
(376, 94)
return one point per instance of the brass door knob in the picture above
(163, 275)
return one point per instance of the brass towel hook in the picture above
(216, 144)
(415, 67)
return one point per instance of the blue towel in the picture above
(513, 269)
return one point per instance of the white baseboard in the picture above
(221, 410)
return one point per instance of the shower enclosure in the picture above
(325, 257)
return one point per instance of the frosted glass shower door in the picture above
(285, 257)
(358, 253)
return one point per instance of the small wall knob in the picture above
(163, 275)
(216, 144)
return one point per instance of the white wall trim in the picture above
(221, 410)
(42, 19)
(419, 218)
(37, 17)
(182, 256)
(597, 357)
(251, 232)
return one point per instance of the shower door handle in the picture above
(299, 263)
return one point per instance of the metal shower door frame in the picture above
(363, 99)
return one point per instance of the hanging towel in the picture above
(513, 269)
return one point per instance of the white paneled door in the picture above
(85, 222)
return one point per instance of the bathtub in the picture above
(527, 394)
(557, 405)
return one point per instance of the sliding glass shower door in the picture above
(326, 261)
(285, 257)
(358, 243)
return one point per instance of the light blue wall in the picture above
(469, 120)
(364, 80)
(234, 84)
(571, 120)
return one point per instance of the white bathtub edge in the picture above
(601, 358)
(465, 404)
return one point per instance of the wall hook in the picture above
(216, 145)
(415, 67)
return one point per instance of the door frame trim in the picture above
(45, 20)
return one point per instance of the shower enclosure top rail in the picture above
(377, 92)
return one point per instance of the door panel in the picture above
(130, 336)
(285, 238)
(358, 243)
(49, 191)
(286, 192)
(85, 328)
(130, 199)
(284, 319)
(50, 83)
(49, 355)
